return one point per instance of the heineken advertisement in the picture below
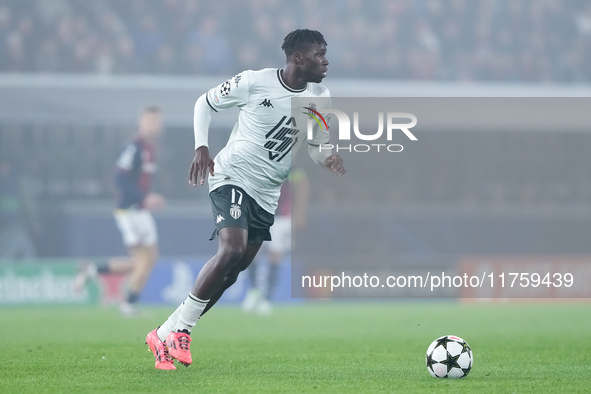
(42, 282)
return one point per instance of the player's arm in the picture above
(325, 158)
(320, 150)
(335, 164)
(154, 201)
(232, 93)
(202, 162)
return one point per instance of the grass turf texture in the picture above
(324, 347)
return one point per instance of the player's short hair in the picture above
(152, 109)
(299, 39)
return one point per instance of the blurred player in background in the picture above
(246, 176)
(134, 169)
(291, 210)
(19, 217)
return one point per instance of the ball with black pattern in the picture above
(225, 88)
(449, 356)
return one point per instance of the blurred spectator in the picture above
(213, 45)
(487, 40)
(537, 41)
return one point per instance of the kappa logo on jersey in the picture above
(281, 138)
(267, 103)
(225, 88)
(219, 219)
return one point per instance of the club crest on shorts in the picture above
(235, 211)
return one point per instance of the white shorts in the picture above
(280, 235)
(137, 227)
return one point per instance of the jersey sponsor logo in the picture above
(266, 103)
(225, 88)
(281, 138)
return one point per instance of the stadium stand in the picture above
(458, 40)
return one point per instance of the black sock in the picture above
(102, 267)
(132, 298)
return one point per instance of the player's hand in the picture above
(200, 166)
(154, 201)
(335, 164)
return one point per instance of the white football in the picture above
(449, 357)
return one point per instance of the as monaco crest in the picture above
(235, 211)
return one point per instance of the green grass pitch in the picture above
(335, 347)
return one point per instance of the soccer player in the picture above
(246, 176)
(134, 169)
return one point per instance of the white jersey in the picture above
(257, 157)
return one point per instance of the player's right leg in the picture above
(140, 235)
(90, 270)
(144, 258)
(230, 279)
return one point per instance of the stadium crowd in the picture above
(484, 40)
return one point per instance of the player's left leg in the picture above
(89, 269)
(116, 265)
(140, 236)
(144, 258)
(142, 244)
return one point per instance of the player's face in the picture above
(315, 64)
(150, 124)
